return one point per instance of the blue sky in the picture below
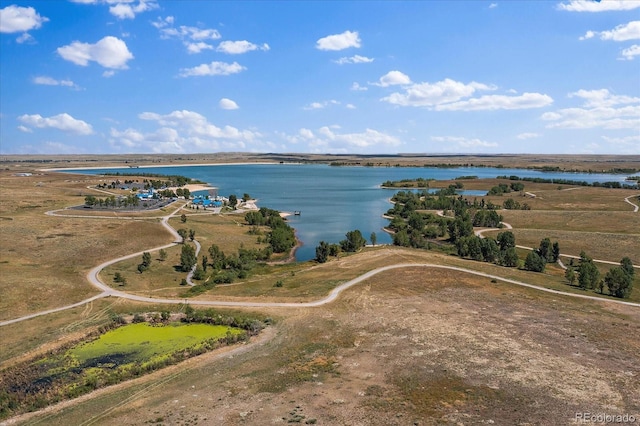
(147, 76)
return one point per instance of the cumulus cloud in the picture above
(464, 143)
(451, 95)
(598, 6)
(124, 9)
(433, 94)
(321, 105)
(600, 109)
(239, 47)
(227, 104)
(356, 59)
(493, 5)
(110, 52)
(62, 121)
(525, 136)
(49, 81)
(631, 52)
(181, 131)
(16, 19)
(393, 78)
(339, 41)
(623, 32)
(495, 102)
(214, 68)
(357, 88)
(193, 38)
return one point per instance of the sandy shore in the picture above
(193, 187)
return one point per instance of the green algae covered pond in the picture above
(119, 354)
(143, 342)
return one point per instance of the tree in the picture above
(192, 234)
(322, 252)
(183, 218)
(233, 200)
(619, 282)
(627, 266)
(506, 240)
(534, 262)
(205, 263)
(183, 234)
(373, 238)
(544, 250)
(509, 257)
(146, 262)
(246, 197)
(187, 258)
(588, 273)
(555, 250)
(163, 254)
(218, 258)
(570, 275)
(354, 242)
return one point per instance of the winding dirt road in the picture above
(107, 291)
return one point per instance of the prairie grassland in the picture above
(228, 231)
(43, 259)
(582, 221)
(603, 246)
(402, 347)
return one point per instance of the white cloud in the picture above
(495, 102)
(124, 9)
(393, 78)
(214, 68)
(525, 136)
(321, 105)
(350, 106)
(624, 32)
(62, 121)
(108, 73)
(357, 88)
(598, 6)
(182, 131)
(356, 59)
(197, 47)
(626, 144)
(227, 104)
(434, 94)
(493, 5)
(25, 38)
(49, 81)
(25, 129)
(463, 142)
(110, 52)
(193, 38)
(15, 19)
(239, 47)
(339, 41)
(306, 133)
(600, 109)
(631, 52)
(602, 98)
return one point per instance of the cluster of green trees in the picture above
(537, 259)
(511, 204)
(353, 242)
(618, 280)
(503, 188)
(501, 251)
(282, 237)
(111, 201)
(418, 182)
(572, 182)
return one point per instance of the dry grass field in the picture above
(405, 347)
(408, 346)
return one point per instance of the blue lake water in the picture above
(332, 200)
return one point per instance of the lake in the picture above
(332, 200)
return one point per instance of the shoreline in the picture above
(58, 169)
